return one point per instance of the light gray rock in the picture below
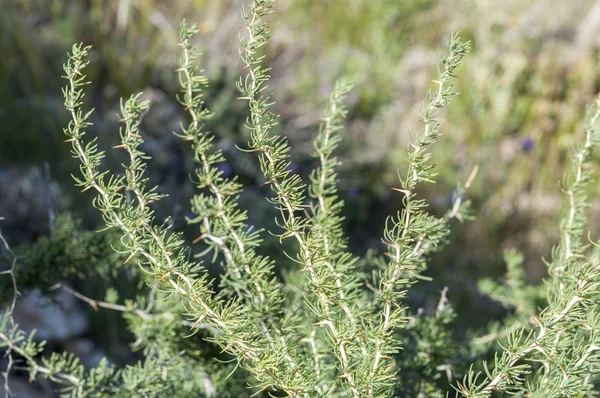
(53, 319)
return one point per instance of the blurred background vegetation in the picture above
(534, 67)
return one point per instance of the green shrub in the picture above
(342, 329)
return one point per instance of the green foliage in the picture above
(345, 328)
(66, 252)
(514, 293)
(563, 339)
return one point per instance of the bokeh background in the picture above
(535, 65)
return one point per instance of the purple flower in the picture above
(453, 197)
(527, 144)
(225, 169)
(353, 192)
(293, 168)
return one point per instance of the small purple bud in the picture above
(353, 192)
(293, 168)
(528, 144)
(453, 197)
(225, 169)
